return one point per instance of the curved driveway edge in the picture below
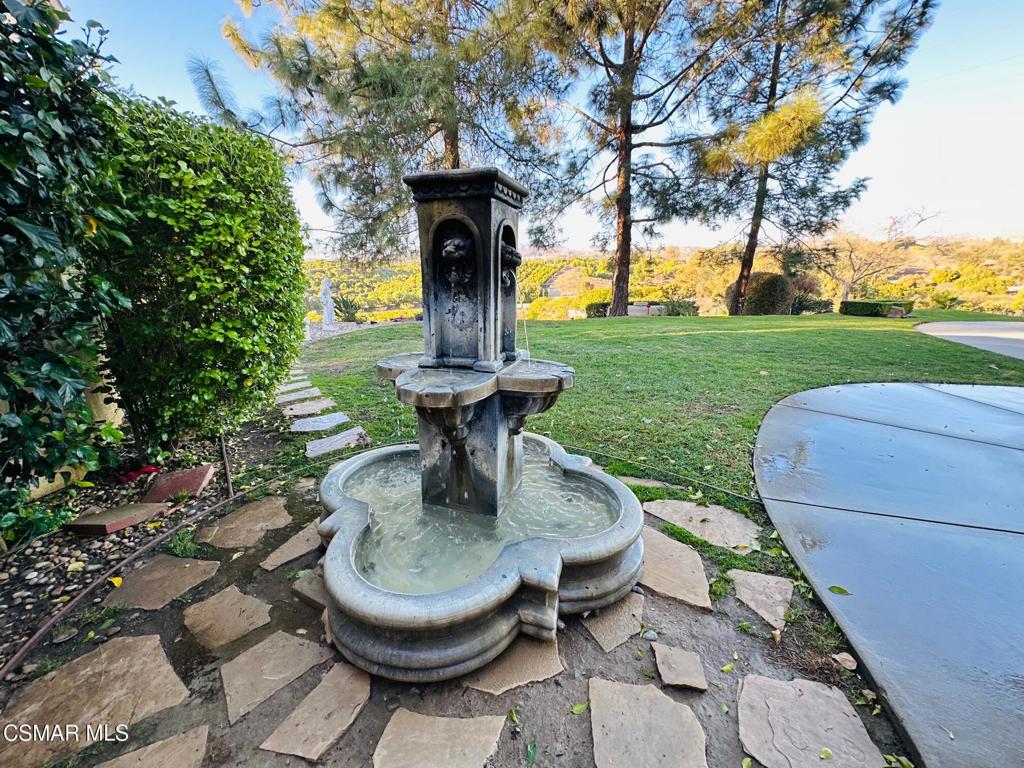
(1004, 337)
(908, 496)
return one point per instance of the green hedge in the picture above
(54, 117)
(864, 308)
(597, 308)
(214, 269)
(768, 293)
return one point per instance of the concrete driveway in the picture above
(1002, 336)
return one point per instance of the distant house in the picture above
(1014, 289)
(570, 281)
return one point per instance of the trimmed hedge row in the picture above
(874, 308)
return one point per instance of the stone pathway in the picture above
(183, 751)
(302, 405)
(170, 486)
(713, 523)
(159, 581)
(412, 740)
(225, 617)
(674, 569)
(614, 625)
(768, 596)
(246, 525)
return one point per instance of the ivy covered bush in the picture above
(768, 293)
(53, 169)
(213, 269)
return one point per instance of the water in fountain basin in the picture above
(416, 549)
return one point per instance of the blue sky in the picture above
(952, 145)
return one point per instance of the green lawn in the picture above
(675, 394)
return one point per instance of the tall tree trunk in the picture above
(451, 147)
(624, 174)
(739, 294)
(623, 230)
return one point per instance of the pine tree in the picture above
(642, 65)
(789, 110)
(369, 90)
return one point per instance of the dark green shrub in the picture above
(214, 269)
(768, 293)
(680, 308)
(53, 118)
(597, 308)
(812, 305)
(865, 308)
(347, 309)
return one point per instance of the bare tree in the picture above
(850, 259)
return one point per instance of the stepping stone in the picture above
(673, 569)
(346, 439)
(293, 385)
(123, 681)
(170, 484)
(324, 715)
(785, 724)
(113, 519)
(296, 372)
(527, 660)
(615, 624)
(255, 675)
(768, 596)
(225, 617)
(246, 525)
(310, 589)
(305, 541)
(645, 482)
(638, 725)
(412, 740)
(186, 750)
(291, 397)
(679, 667)
(716, 525)
(308, 408)
(159, 581)
(320, 423)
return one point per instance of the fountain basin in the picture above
(569, 542)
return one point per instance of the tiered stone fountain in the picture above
(441, 552)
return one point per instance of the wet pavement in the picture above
(1003, 336)
(908, 497)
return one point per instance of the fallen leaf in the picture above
(76, 566)
(513, 716)
(825, 753)
(725, 708)
(777, 636)
(116, 581)
(729, 667)
(845, 660)
(579, 709)
(746, 762)
(155, 524)
(835, 589)
(90, 635)
(237, 555)
(531, 752)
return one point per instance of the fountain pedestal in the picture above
(505, 529)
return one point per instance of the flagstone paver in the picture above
(292, 397)
(255, 675)
(324, 715)
(296, 372)
(114, 519)
(225, 617)
(170, 484)
(768, 596)
(527, 660)
(305, 541)
(715, 524)
(679, 667)
(246, 525)
(674, 569)
(319, 423)
(121, 682)
(291, 386)
(159, 581)
(346, 439)
(310, 589)
(636, 725)
(308, 407)
(186, 750)
(614, 625)
(645, 482)
(785, 724)
(411, 740)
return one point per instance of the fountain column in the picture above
(472, 446)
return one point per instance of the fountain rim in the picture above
(535, 562)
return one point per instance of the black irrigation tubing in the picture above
(663, 471)
(31, 643)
